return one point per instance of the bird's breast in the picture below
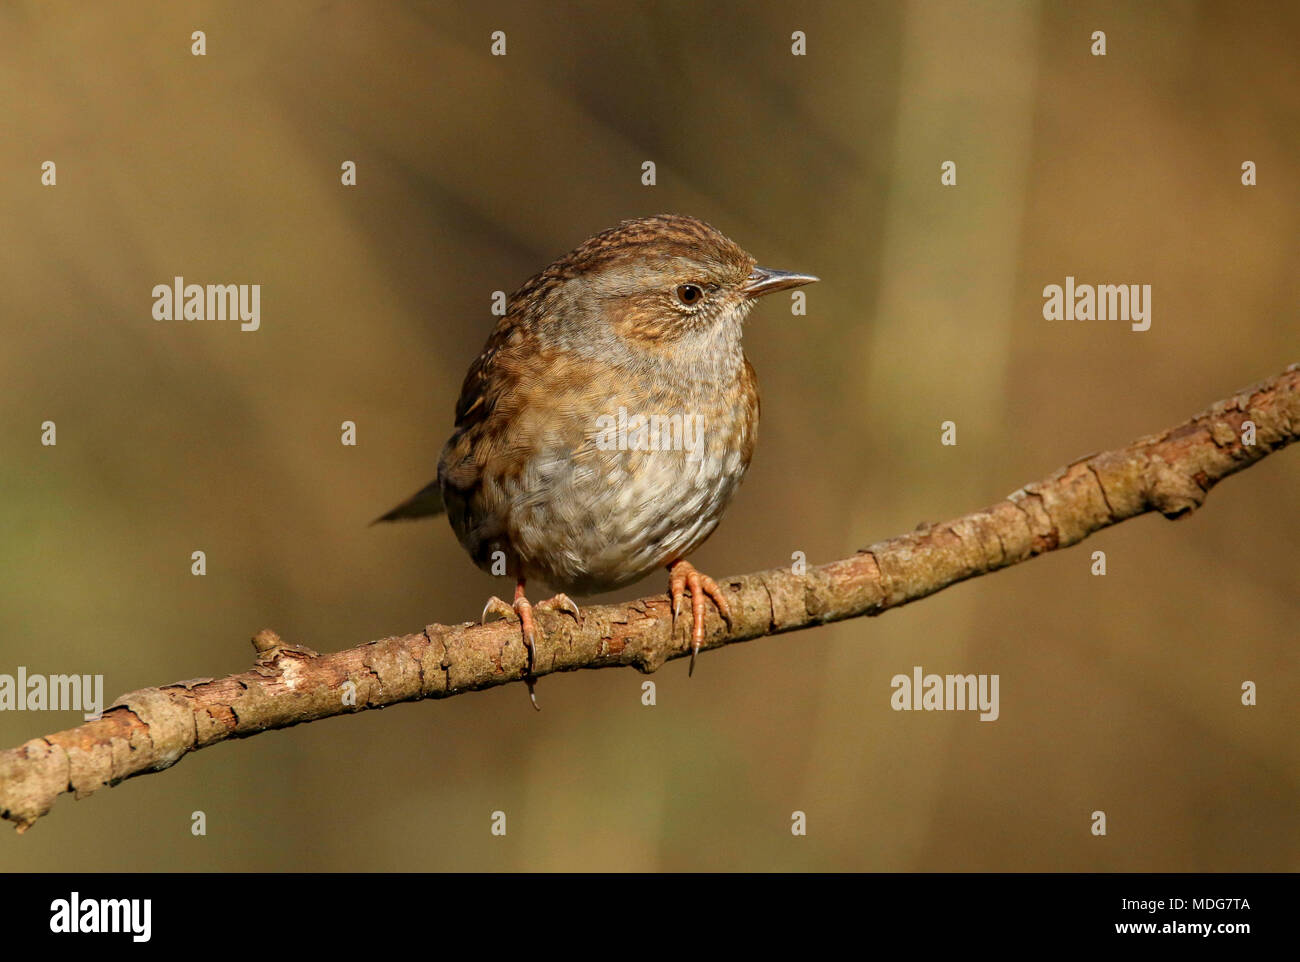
(598, 489)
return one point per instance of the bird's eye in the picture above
(689, 294)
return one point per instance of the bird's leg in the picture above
(524, 610)
(682, 576)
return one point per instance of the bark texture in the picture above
(152, 729)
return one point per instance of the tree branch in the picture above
(152, 729)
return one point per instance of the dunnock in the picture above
(609, 420)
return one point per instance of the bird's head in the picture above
(656, 283)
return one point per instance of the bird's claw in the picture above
(560, 602)
(521, 610)
(525, 610)
(682, 576)
(495, 606)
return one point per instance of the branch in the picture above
(152, 729)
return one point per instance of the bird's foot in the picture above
(560, 602)
(682, 576)
(523, 610)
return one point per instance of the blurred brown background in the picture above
(1118, 693)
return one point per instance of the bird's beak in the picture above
(765, 280)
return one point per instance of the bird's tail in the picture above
(425, 502)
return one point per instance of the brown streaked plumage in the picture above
(548, 465)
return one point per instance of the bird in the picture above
(609, 420)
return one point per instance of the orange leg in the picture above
(682, 576)
(523, 608)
